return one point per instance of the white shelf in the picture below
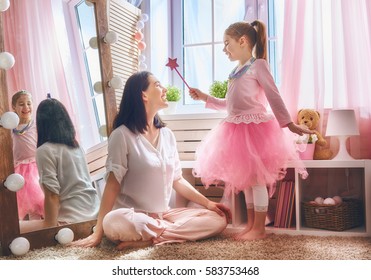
(363, 176)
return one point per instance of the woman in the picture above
(64, 176)
(142, 169)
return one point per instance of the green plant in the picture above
(219, 89)
(173, 93)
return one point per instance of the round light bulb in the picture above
(4, 5)
(93, 43)
(64, 236)
(138, 35)
(142, 45)
(115, 82)
(103, 130)
(144, 17)
(98, 87)
(88, 3)
(14, 182)
(6, 60)
(19, 246)
(142, 66)
(140, 25)
(9, 120)
(111, 37)
(141, 58)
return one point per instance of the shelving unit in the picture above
(327, 178)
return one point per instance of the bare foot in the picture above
(243, 232)
(133, 244)
(252, 235)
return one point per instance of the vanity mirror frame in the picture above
(9, 223)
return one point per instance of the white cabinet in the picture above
(327, 178)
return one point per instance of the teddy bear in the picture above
(310, 118)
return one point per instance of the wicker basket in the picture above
(343, 216)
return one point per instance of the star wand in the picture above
(173, 65)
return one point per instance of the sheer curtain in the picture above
(326, 61)
(31, 38)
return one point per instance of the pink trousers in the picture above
(175, 225)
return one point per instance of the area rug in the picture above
(223, 247)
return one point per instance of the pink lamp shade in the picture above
(342, 123)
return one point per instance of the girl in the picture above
(143, 169)
(30, 198)
(64, 176)
(248, 150)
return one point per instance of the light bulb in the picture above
(6, 60)
(111, 37)
(19, 246)
(142, 66)
(142, 45)
(138, 36)
(9, 120)
(103, 130)
(140, 25)
(64, 236)
(88, 3)
(4, 5)
(144, 17)
(141, 58)
(98, 87)
(14, 182)
(93, 43)
(115, 82)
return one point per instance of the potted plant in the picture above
(173, 95)
(218, 89)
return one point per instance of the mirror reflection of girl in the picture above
(64, 176)
(143, 169)
(249, 148)
(30, 198)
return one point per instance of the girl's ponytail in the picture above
(261, 39)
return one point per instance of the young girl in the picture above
(248, 150)
(30, 198)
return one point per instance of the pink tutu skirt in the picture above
(30, 198)
(244, 155)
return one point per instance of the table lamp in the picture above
(342, 123)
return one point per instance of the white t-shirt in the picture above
(63, 170)
(146, 174)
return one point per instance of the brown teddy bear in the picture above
(310, 118)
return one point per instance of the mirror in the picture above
(9, 226)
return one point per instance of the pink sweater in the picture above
(248, 97)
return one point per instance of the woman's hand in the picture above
(196, 94)
(298, 129)
(221, 209)
(92, 240)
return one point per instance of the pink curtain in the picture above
(315, 66)
(31, 37)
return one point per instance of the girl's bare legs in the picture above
(258, 229)
(249, 225)
(255, 228)
(249, 200)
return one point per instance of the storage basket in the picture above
(339, 217)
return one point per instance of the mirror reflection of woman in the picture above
(143, 169)
(64, 176)
(30, 199)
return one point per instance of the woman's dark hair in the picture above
(132, 112)
(54, 124)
